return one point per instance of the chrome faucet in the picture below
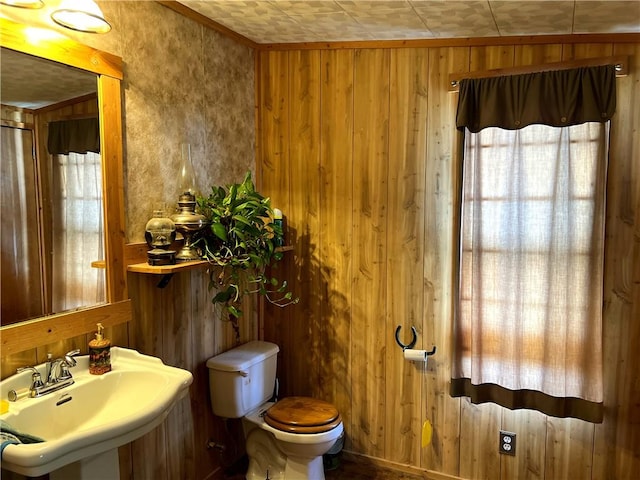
(58, 370)
(58, 375)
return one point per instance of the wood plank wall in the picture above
(179, 324)
(356, 146)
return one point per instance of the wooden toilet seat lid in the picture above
(303, 415)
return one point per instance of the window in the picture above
(529, 312)
(77, 231)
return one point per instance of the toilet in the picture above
(285, 440)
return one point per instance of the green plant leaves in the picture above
(242, 243)
(219, 231)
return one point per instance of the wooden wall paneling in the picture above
(464, 443)
(204, 324)
(308, 275)
(586, 50)
(617, 439)
(441, 182)
(125, 461)
(144, 336)
(336, 244)
(479, 427)
(249, 318)
(537, 54)
(369, 331)
(274, 165)
(488, 58)
(147, 337)
(177, 344)
(531, 448)
(569, 448)
(58, 349)
(149, 455)
(405, 247)
(10, 363)
(628, 439)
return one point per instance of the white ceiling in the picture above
(31, 82)
(295, 21)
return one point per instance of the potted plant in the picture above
(241, 242)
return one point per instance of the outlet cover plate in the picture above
(507, 445)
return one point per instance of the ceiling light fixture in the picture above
(23, 3)
(81, 15)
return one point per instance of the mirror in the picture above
(106, 72)
(51, 197)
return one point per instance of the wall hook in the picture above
(412, 343)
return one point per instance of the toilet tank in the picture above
(242, 379)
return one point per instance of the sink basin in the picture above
(97, 414)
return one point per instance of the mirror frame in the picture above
(108, 69)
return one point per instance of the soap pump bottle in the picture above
(99, 353)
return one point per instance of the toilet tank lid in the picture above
(242, 357)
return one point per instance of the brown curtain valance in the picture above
(557, 98)
(79, 136)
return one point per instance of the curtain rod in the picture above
(621, 63)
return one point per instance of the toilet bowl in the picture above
(285, 439)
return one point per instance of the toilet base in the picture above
(302, 468)
(266, 460)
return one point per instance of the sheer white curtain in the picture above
(77, 231)
(21, 274)
(531, 272)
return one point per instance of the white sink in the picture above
(92, 417)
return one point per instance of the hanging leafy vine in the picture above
(241, 242)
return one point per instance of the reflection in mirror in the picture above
(51, 196)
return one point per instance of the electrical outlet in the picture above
(507, 443)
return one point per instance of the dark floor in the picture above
(348, 470)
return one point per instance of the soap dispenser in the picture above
(99, 353)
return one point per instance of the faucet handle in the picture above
(65, 374)
(36, 378)
(68, 357)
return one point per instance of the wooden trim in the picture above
(55, 328)
(400, 467)
(71, 101)
(59, 48)
(457, 42)
(109, 102)
(621, 60)
(207, 22)
(167, 269)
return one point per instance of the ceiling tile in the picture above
(219, 10)
(379, 15)
(334, 26)
(293, 21)
(296, 7)
(607, 17)
(456, 19)
(533, 17)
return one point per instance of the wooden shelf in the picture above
(166, 269)
(179, 267)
